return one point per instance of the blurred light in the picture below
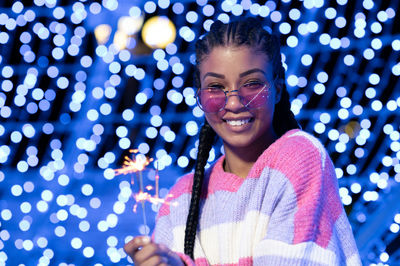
(387, 161)
(86, 61)
(340, 22)
(394, 228)
(368, 53)
(376, 105)
(223, 17)
(292, 41)
(276, 16)
(335, 43)
(395, 136)
(324, 39)
(284, 28)
(322, 77)
(330, 13)
(59, 231)
(396, 69)
(121, 40)
(294, 14)
(102, 33)
(183, 161)
(306, 59)
(319, 128)
(345, 102)
(158, 32)
(349, 60)
(178, 8)
(131, 25)
(192, 17)
(292, 80)
(319, 88)
(339, 173)
(128, 115)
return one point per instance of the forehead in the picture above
(234, 60)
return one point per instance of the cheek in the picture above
(212, 119)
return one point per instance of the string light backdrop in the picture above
(82, 82)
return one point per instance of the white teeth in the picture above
(237, 122)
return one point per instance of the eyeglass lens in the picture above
(252, 95)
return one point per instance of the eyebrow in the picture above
(241, 75)
(212, 74)
(251, 71)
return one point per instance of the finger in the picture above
(155, 261)
(135, 244)
(148, 251)
(172, 257)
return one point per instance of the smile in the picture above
(238, 122)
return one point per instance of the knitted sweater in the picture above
(287, 211)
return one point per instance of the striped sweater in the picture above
(287, 211)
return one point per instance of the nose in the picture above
(233, 102)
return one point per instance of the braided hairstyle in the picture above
(243, 32)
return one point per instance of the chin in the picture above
(239, 143)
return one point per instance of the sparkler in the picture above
(136, 165)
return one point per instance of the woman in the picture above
(272, 199)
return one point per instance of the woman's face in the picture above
(230, 68)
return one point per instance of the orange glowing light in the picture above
(145, 196)
(136, 164)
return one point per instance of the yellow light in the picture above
(352, 129)
(130, 25)
(158, 32)
(102, 33)
(120, 40)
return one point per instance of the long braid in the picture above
(283, 119)
(248, 32)
(206, 139)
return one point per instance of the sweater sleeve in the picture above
(171, 218)
(308, 225)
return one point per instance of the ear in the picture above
(278, 84)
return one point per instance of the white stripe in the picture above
(227, 242)
(354, 260)
(306, 250)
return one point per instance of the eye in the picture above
(254, 84)
(215, 87)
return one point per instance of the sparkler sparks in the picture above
(136, 165)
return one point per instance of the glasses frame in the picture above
(266, 86)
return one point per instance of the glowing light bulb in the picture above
(158, 32)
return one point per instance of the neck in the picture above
(239, 160)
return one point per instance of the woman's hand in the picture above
(145, 252)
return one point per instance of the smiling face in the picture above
(239, 127)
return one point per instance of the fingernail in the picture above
(146, 240)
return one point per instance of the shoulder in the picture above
(183, 185)
(295, 151)
(297, 147)
(301, 157)
(300, 141)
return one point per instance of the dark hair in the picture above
(243, 32)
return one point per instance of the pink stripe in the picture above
(247, 261)
(183, 186)
(316, 192)
(201, 262)
(223, 181)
